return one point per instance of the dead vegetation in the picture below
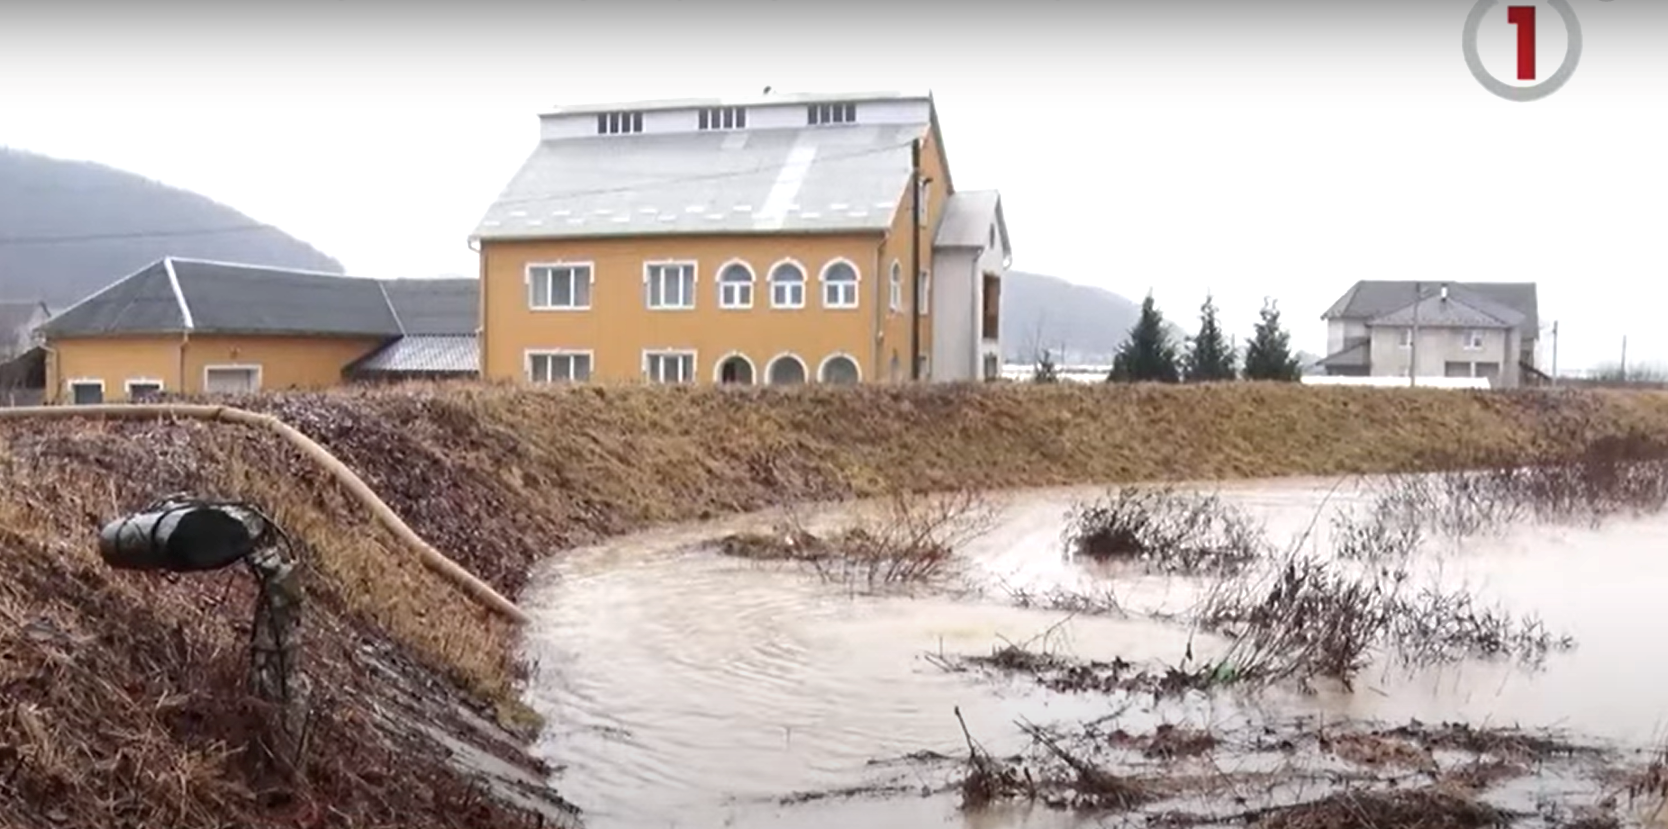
(908, 539)
(1164, 529)
(122, 697)
(1312, 617)
(1279, 773)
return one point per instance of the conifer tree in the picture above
(1148, 356)
(1210, 356)
(1268, 353)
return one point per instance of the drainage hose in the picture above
(477, 590)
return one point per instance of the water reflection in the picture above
(686, 689)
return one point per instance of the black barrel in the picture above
(179, 537)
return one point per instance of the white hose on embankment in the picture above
(431, 558)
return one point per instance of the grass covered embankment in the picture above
(123, 695)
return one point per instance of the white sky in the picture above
(1246, 149)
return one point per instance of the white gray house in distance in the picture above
(1465, 329)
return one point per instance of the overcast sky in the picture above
(1247, 149)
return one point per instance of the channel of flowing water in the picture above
(684, 688)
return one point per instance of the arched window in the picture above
(735, 369)
(787, 286)
(735, 286)
(839, 285)
(785, 370)
(895, 301)
(839, 369)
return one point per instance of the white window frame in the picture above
(590, 285)
(926, 200)
(751, 283)
(803, 283)
(1405, 338)
(129, 383)
(527, 363)
(260, 379)
(923, 294)
(694, 363)
(856, 285)
(895, 298)
(1472, 339)
(655, 269)
(770, 367)
(822, 367)
(70, 384)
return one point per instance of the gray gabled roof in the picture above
(1353, 354)
(811, 179)
(1459, 309)
(178, 295)
(1369, 299)
(967, 219)
(435, 306)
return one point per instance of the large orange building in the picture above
(774, 240)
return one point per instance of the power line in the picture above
(21, 241)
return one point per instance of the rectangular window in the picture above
(1472, 340)
(144, 389)
(735, 294)
(669, 284)
(86, 392)
(559, 287)
(558, 366)
(669, 366)
(926, 201)
(832, 113)
(723, 118)
(895, 301)
(616, 123)
(1406, 338)
(231, 379)
(923, 299)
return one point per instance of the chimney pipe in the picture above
(1444, 291)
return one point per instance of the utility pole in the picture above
(1624, 358)
(915, 259)
(1413, 341)
(1554, 352)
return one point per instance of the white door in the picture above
(231, 380)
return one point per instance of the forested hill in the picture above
(49, 206)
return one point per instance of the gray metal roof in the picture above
(175, 295)
(141, 303)
(763, 99)
(967, 219)
(1458, 309)
(423, 354)
(824, 178)
(435, 306)
(244, 299)
(1353, 354)
(1369, 299)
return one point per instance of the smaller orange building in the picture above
(194, 326)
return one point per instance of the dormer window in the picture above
(818, 114)
(723, 118)
(616, 123)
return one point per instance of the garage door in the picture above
(229, 380)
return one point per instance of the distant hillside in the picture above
(1085, 323)
(46, 199)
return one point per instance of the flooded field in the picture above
(688, 688)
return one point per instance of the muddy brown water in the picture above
(683, 688)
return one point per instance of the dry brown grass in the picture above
(497, 478)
